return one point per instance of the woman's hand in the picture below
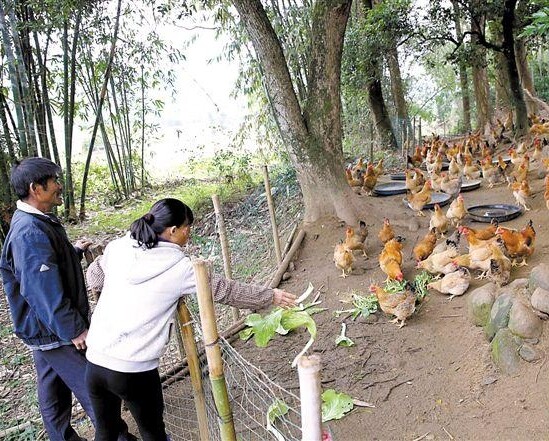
(283, 299)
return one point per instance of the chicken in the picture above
(475, 261)
(358, 167)
(454, 170)
(390, 259)
(401, 304)
(425, 246)
(417, 158)
(414, 179)
(492, 173)
(455, 283)
(518, 243)
(473, 241)
(521, 192)
(482, 234)
(356, 240)
(439, 221)
(452, 241)
(370, 180)
(353, 182)
(500, 266)
(470, 170)
(343, 259)
(546, 194)
(418, 200)
(457, 211)
(451, 186)
(386, 233)
(440, 262)
(378, 169)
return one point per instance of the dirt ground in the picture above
(433, 378)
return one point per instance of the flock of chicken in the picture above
(492, 251)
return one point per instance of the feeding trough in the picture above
(489, 212)
(390, 188)
(398, 176)
(441, 199)
(506, 159)
(470, 184)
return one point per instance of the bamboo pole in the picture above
(308, 370)
(289, 241)
(189, 343)
(213, 351)
(276, 238)
(225, 251)
(275, 280)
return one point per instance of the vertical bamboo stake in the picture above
(224, 247)
(414, 134)
(420, 139)
(270, 202)
(189, 343)
(213, 351)
(308, 369)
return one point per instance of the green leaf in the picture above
(264, 328)
(276, 410)
(342, 339)
(335, 405)
(295, 319)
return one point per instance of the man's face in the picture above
(51, 194)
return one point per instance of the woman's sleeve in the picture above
(95, 275)
(240, 295)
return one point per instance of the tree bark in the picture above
(382, 121)
(397, 90)
(463, 77)
(313, 137)
(480, 78)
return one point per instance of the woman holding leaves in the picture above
(141, 277)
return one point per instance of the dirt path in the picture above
(432, 379)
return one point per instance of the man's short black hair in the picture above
(32, 170)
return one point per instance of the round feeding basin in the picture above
(390, 188)
(398, 176)
(506, 159)
(469, 185)
(441, 199)
(499, 212)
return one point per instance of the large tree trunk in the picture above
(526, 77)
(314, 137)
(480, 78)
(463, 77)
(397, 90)
(382, 121)
(521, 114)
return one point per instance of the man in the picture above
(44, 284)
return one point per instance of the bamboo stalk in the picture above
(289, 241)
(225, 251)
(276, 238)
(189, 343)
(308, 370)
(213, 352)
(277, 277)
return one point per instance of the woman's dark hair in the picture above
(32, 170)
(165, 213)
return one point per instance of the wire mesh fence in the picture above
(251, 394)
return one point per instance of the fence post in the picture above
(213, 351)
(420, 138)
(224, 247)
(414, 134)
(270, 202)
(191, 353)
(308, 370)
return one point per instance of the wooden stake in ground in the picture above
(276, 238)
(193, 362)
(213, 351)
(225, 251)
(308, 369)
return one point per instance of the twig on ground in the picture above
(419, 438)
(394, 387)
(540, 368)
(448, 433)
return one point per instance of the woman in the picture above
(145, 273)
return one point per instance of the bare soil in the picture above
(433, 378)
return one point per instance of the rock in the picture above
(528, 353)
(499, 314)
(523, 321)
(518, 284)
(539, 277)
(540, 300)
(505, 352)
(286, 276)
(479, 304)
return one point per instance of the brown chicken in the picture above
(414, 179)
(455, 283)
(390, 259)
(451, 186)
(518, 244)
(353, 182)
(386, 233)
(491, 173)
(500, 266)
(343, 259)
(546, 194)
(439, 221)
(370, 180)
(401, 304)
(470, 170)
(378, 169)
(457, 211)
(482, 234)
(418, 200)
(440, 262)
(425, 246)
(473, 241)
(356, 240)
(521, 192)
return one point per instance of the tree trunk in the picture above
(521, 114)
(382, 121)
(397, 90)
(526, 76)
(480, 78)
(314, 137)
(5, 127)
(463, 77)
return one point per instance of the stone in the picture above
(528, 353)
(518, 284)
(540, 300)
(505, 352)
(523, 322)
(479, 304)
(499, 314)
(286, 276)
(539, 277)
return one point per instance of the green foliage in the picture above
(335, 405)
(363, 306)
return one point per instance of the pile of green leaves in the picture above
(363, 306)
(419, 283)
